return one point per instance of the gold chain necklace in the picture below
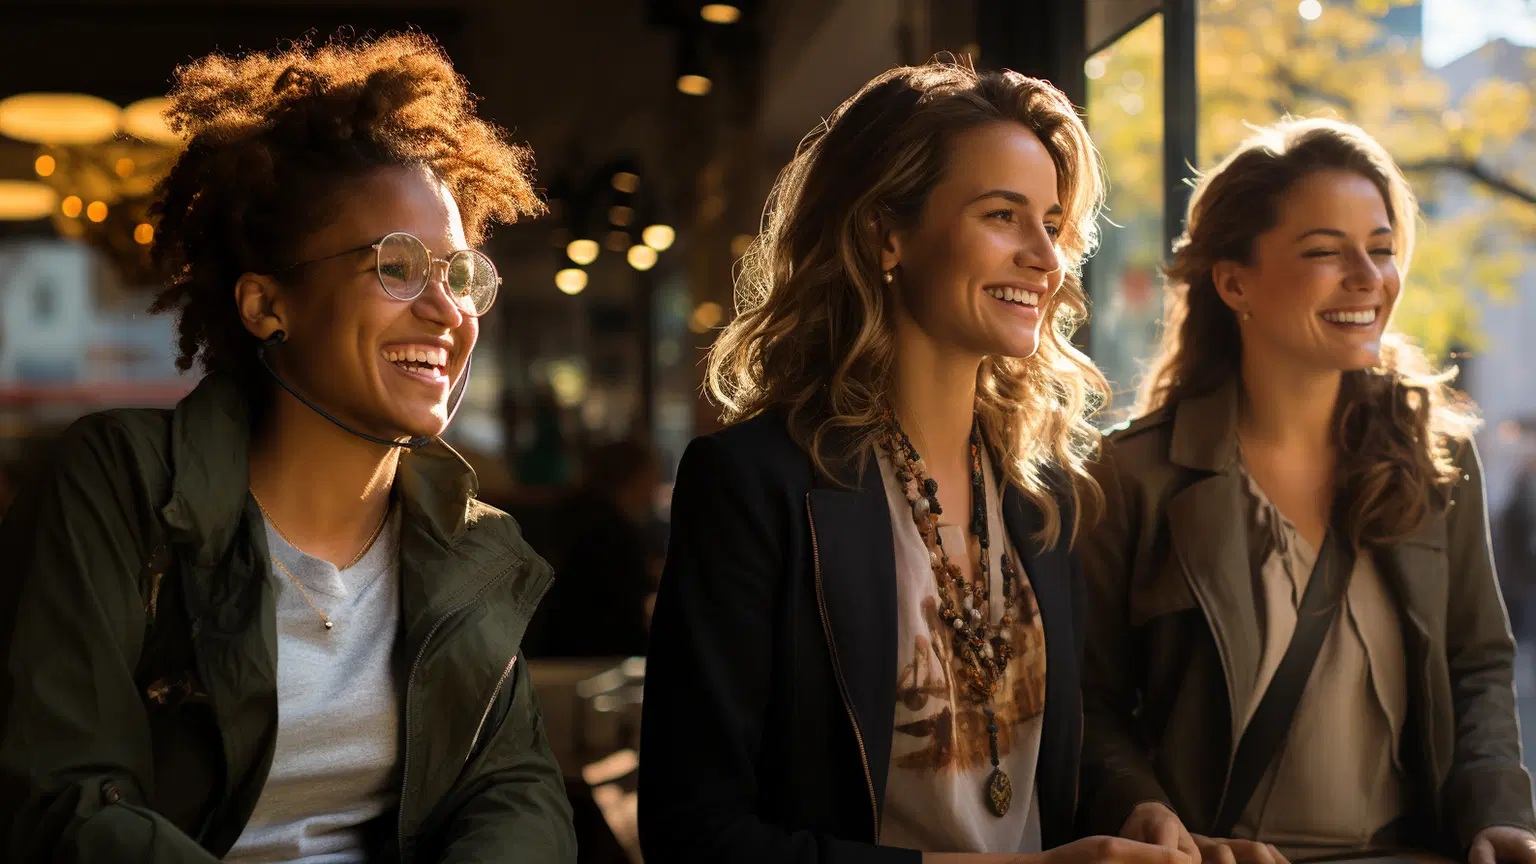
(378, 529)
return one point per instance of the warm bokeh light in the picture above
(144, 234)
(620, 215)
(626, 181)
(568, 380)
(1311, 10)
(706, 316)
(658, 237)
(617, 241)
(44, 166)
(96, 211)
(72, 206)
(22, 200)
(741, 244)
(641, 256)
(145, 120)
(571, 280)
(582, 251)
(124, 167)
(720, 13)
(58, 118)
(694, 85)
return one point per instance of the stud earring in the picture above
(1247, 316)
(889, 277)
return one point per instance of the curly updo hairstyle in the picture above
(273, 138)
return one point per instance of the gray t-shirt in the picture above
(338, 708)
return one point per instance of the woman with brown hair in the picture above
(273, 623)
(1296, 636)
(866, 630)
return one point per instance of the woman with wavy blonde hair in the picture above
(863, 647)
(1297, 638)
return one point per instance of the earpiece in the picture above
(278, 337)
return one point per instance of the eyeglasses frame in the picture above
(432, 262)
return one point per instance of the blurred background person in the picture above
(601, 550)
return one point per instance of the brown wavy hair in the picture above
(813, 335)
(274, 137)
(1397, 424)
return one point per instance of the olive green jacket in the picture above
(138, 654)
(1174, 637)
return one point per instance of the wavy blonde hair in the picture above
(813, 335)
(1396, 424)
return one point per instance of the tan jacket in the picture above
(1174, 638)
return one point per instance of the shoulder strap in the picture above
(1271, 721)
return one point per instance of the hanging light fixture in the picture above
(720, 13)
(571, 280)
(58, 118)
(641, 257)
(145, 120)
(582, 251)
(659, 236)
(23, 200)
(692, 76)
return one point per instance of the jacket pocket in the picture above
(495, 713)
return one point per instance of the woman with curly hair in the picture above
(1297, 645)
(273, 623)
(864, 648)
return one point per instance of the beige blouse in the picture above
(935, 798)
(1338, 779)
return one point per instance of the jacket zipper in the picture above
(837, 672)
(405, 767)
(485, 715)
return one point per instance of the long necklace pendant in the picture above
(999, 793)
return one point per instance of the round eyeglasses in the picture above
(405, 265)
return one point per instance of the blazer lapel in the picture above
(856, 556)
(1050, 573)
(1208, 532)
(1206, 527)
(1419, 573)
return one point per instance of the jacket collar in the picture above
(210, 463)
(1205, 429)
(1207, 523)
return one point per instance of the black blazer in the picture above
(770, 690)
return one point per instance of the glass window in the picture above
(1125, 117)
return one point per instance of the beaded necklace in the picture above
(964, 606)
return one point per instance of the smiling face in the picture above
(381, 364)
(976, 271)
(1323, 281)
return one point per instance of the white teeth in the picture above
(1015, 295)
(1365, 316)
(425, 356)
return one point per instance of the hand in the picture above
(1152, 822)
(1115, 850)
(1228, 850)
(1501, 843)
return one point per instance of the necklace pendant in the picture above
(999, 793)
